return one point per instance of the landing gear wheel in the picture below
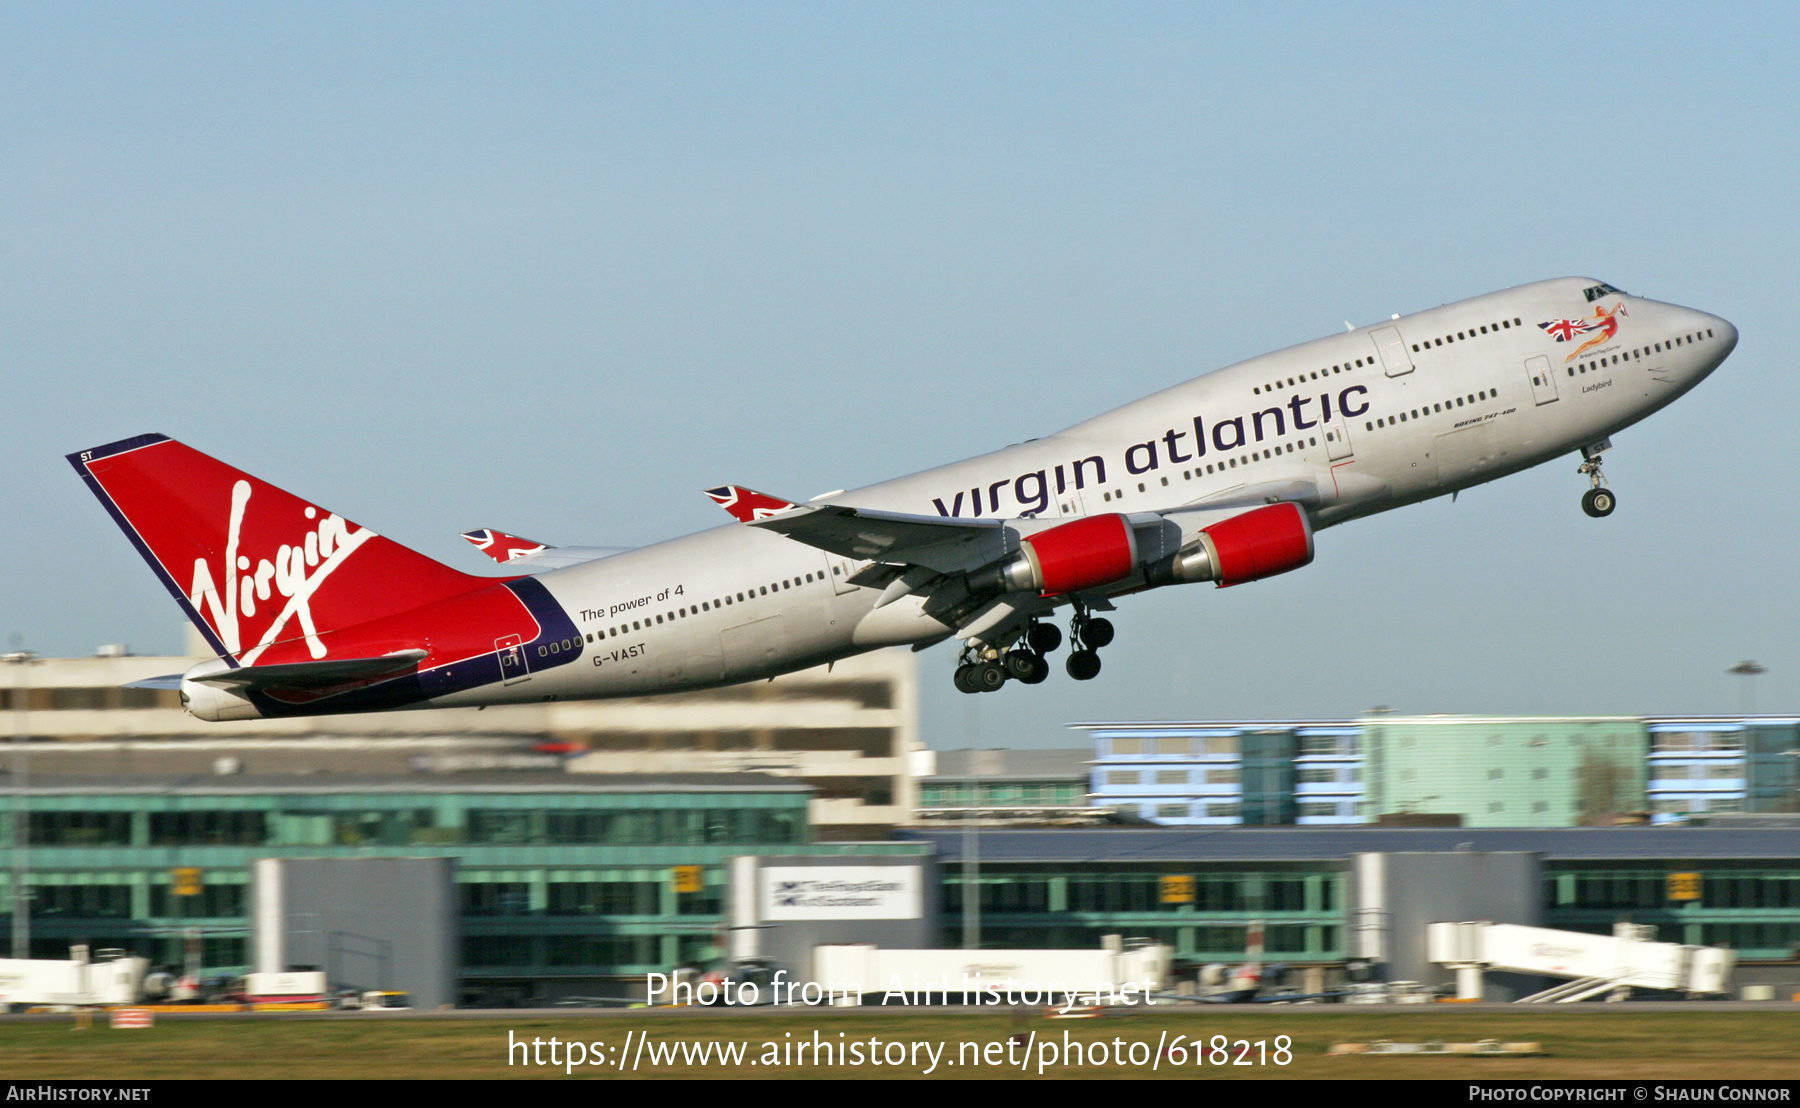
(1598, 502)
(1044, 638)
(987, 677)
(964, 679)
(1083, 665)
(1097, 633)
(1027, 667)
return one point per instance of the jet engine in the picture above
(1082, 554)
(1248, 547)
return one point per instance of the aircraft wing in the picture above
(942, 544)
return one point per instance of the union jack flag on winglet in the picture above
(503, 547)
(747, 505)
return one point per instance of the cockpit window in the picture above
(1598, 291)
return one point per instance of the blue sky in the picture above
(556, 268)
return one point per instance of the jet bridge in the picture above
(1594, 964)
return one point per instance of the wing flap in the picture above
(946, 545)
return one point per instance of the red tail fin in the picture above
(252, 565)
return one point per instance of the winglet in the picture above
(503, 547)
(748, 505)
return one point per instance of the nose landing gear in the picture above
(1598, 501)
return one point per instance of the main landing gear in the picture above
(985, 669)
(1092, 633)
(1598, 501)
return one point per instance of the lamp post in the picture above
(20, 660)
(971, 836)
(1747, 691)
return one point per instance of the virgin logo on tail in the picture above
(290, 579)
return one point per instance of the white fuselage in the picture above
(1360, 422)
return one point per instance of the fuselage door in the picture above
(511, 651)
(1337, 439)
(841, 570)
(1392, 349)
(1543, 379)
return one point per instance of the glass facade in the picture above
(1070, 905)
(565, 879)
(1753, 908)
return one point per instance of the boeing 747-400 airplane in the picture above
(1224, 478)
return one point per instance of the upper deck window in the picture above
(1598, 291)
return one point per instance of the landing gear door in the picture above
(1543, 379)
(1337, 440)
(1392, 349)
(511, 651)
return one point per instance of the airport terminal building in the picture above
(1488, 771)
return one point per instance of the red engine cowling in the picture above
(1081, 554)
(1259, 544)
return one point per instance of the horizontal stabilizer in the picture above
(502, 547)
(166, 681)
(516, 553)
(314, 675)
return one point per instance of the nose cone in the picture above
(1726, 332)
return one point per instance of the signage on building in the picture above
(688, 879)
(1176, 889)
(185, 880)
(841, 892)
(1684, 886)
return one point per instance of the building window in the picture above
(81, 901)
(79, 828)
(226, 828)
